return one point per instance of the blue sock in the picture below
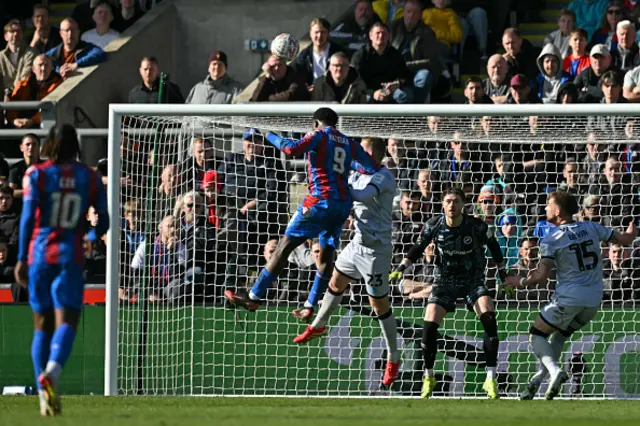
(320, 284)
(262, 284)
(61, 344)
(40, 352)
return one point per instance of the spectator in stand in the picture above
(279, 83)
(82, 14)
(16, 59)
(487, 205)
(388, 10)
(607, 34)
(588, 81)
(426, 186)
(571, 175)
(508, 233)
(74, 53)
(592, 163)
(621, 276)
(169, 189)
(38, 84)
(618, 127)
(218, 87)
(618, 194)
(406, 224)
(126, 15)
(520, 54)
(568, 94)
(460, 166)
(9, 220)
(521, 92)
(341, 83)
(626, 57)
(529, 258)
(422, 52)
(551, 76)
(102, 34)
(589, 14)
(496, 86)
(383, 69)
(30, 148)
(45, 36)
(444, 22)
(202, 159)
(95, 253)
(578, 60)
(590, 209)
(148, 91)
(474, 92)
(473, 17)
(212, 187)
(4, 169)
(6, 269)
(560, 37)
(312, 62)
(353, 33)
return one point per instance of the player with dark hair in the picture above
(329, 156)
(574, 249)
(460, 263)
(57, 196)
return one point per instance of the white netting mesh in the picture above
(228, 200)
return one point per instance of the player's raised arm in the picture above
(31, 199)
(539, 276)
(100, 205)
(291, 147)
(415, 253)
(363, 162)
(323, 118)
(496, 254)
(375, 148)
(625, 238)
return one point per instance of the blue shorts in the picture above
(55, 287)
(319, 218)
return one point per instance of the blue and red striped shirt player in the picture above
(53, 225)
(330, 156)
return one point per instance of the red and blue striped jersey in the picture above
(56, 200)
(329, 156)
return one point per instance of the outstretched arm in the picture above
(291, 147)
(538, 276)
(627, 237)
(496, 255)
(363, 162)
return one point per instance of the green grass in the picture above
(121, 411)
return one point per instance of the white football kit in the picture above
(575, 249)
(369, 253)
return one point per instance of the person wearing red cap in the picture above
(520, 91)
(218, 87)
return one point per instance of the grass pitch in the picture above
(184, 411)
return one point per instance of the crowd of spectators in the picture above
(215, 215)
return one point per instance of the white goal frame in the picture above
(118, 111)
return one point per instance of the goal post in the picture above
(221, 201)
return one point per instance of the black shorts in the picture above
(446, 295)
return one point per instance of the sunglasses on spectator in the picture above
(487, 201)
(614, 12)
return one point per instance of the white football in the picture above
(285, 46)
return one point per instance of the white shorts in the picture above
(357, 261)
(567, 318)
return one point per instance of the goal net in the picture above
(198, 200)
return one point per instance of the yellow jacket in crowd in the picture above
(381, 8)
(445, 23)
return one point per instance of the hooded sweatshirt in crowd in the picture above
(547, 85)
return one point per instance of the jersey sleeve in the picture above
(547, 249)
(604, 234)
(31, 200)
(361, 161)
(424, 239)
(290, 147)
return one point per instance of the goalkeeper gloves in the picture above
(508, 291)
(397, 273)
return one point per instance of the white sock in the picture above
(557, 342)
(390, 332)
(543, 351)
(307, 304)
(491, 373)
(330, 301)
(53, 369)
(253, 297)
(430, 372)
(540, 375)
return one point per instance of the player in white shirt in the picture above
(367, 256)
(574, 249)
